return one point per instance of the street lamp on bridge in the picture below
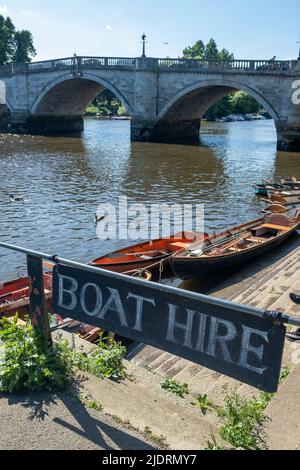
(144, 37)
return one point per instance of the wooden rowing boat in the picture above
(145, 255)
(263, 188)
(235, 247)
(285, 198)
(14, 295)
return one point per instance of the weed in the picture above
(175, 387)
(204, 403)
(242, 422)
(105, 361)
(160, 441)
(94, 405)
(117, 419)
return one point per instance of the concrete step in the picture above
(283, 430)
(200, 380)
(268, 279)
(247, 281)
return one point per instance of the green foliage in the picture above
(209, 51)
(15, 46)
(242, 103)
(107, 104)
(234, 103)
(94, 405)
(242, 422)
(195, 52)
(105, 361)
(159, 441)
(175, 387)
(213, 444)
(27, 364)
(24, 47)
(204, 403)
(243, 419)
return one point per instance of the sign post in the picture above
(38, 311)
(213, 333)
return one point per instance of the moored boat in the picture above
(285, 198)
(146, 255)
(236, 246)
(284, 185)
(14, 295)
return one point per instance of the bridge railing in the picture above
(77, 63)
(225, 65)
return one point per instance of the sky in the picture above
(256, 29)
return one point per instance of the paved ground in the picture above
(46, 422)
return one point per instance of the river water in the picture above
(63, 180)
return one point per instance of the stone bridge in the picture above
(166, 98)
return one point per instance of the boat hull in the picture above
(147, 255)
(188, 268)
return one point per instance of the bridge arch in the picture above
(181, 115)
(71, 95)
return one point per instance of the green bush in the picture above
(105, 361)
(28, 364)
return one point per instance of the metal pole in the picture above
(274, 316)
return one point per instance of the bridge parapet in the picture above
(77, 63)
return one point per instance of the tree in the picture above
(24, 47)
(10, 32)
(15, 46)
(220, 109)
(195, 52)
(211, 50)
(224, 54)
(7, 44)
(242, 103)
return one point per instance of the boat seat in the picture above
(275, 227)
(180, 245)
(254, 240)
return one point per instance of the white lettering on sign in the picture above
(70, 292)
(98, 301)
(201, 333)
(139, 309)
(216, 338)
(114, 304)
(186, 327)
(247, 348)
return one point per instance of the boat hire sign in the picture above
(209, 332)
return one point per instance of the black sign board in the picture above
(240, 345)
